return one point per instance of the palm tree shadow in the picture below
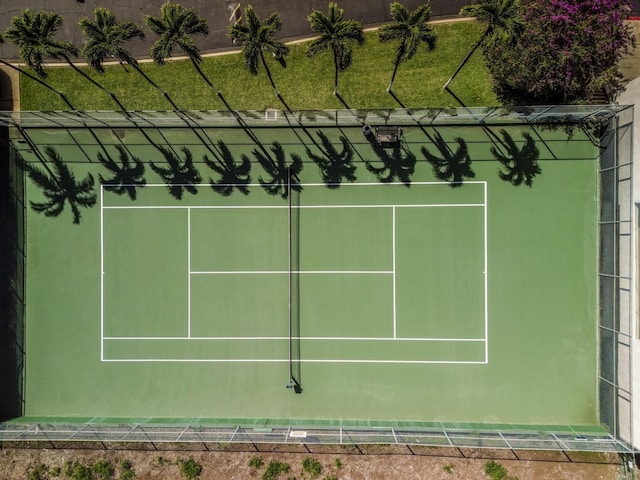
(313, 115)
(397, 162)
(520, 164)
(342, 100)
(60, 187)
(127, 175)
(393, 95)
(284, 176)
(179, 174)
(127, 172)
(452, 167)
(335, 166)
(231, 175)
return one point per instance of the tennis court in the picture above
(357, 266)
(390, 297)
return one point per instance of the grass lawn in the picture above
(305, 84)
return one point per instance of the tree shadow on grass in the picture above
(342, 100)
(335, 166)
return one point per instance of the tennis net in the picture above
(293, 198)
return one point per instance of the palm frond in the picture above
(175, 27)
(34, 35)
(256, 36)
(399, 13)
(105, 37)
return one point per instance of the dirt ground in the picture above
(224, 465)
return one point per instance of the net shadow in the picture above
(295, 370)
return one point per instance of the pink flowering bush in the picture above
(569, 49)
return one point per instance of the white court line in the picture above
(273, 207)
(272, 360)
(101, 273)
(393, 281)
(321, 184)
(394, 205)
(393, 272)
(486, 278)
(356, 339)
(286, 272)
(189, 272)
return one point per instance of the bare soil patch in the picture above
(230, 465)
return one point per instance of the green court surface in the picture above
(404, 300)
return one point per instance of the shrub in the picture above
(189, 468)
(256, 462)
(68, 468)
(448, 468)
(104, 470)
(274, 469)
(495, 470)
(338, 463)
(126, 470)
(312, 467)
(162, 461)
(38, 472)
(56, 471)
(80, 472)
(569, 49)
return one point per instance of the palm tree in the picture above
(336, 34)
(450, 167)
(256, 37)
(179, 174)
(36, 79)
(334, 166)
(502, 21)
(127, 175)
(521, 164)
(60, 187)
(411, 30)
(175, 28)
(106, 37)
(34, 34)
(231, 174)
(284, 176)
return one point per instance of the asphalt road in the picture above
(294, 15)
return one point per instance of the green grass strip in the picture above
(306, 83)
